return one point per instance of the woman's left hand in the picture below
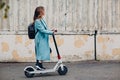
(54, 30)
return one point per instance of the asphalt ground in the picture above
(83, 70)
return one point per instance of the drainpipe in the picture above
(95, 50)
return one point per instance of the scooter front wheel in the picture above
(62, 70)
(27, 74)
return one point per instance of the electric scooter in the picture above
(30, 71)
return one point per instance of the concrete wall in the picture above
(64, 15)
(108, 47)
(18, 48)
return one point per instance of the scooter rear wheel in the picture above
(27, 74)
(62, 71)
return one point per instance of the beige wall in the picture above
(108, 47)
(18, 48)
(72, 48)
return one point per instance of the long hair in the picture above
(37, 13)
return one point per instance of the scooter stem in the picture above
(58, 55)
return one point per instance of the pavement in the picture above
(83, 70)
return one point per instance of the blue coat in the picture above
(42, 48)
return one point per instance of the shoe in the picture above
(43, 67)
(39, 66)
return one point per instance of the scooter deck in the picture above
(43, 71)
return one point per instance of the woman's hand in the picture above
(54, 30)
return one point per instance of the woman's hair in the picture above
(37, 13)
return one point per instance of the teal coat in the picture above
(42, 48)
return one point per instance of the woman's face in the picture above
(42, 12)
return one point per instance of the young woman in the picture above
(42, 48)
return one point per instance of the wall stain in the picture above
(15, 55)
(51, 39)
(71, 57)
(59, 40)
(78, 42)
(18, 39)
(88, 53)
(32, 57)
(105, 56)
(116, 52)
(27, 43)
(85, 37)
(104, 47)
(30, 51)
(102, 39)
(5, 47)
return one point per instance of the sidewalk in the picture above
(85, 70)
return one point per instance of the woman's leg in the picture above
(37, 61)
